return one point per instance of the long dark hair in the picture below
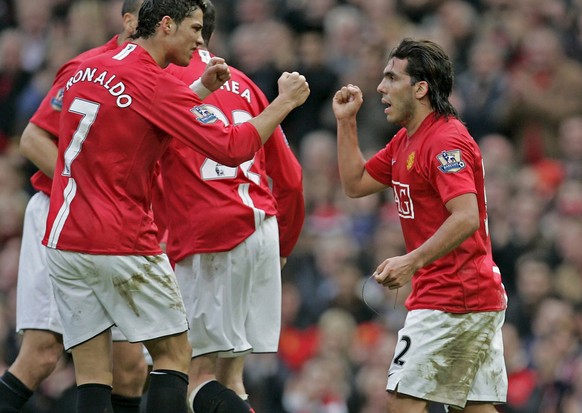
(152, 12)
(427, 61)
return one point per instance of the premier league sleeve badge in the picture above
(451, 161)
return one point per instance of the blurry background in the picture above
(518, 87)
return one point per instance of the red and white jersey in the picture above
(441, 161)
(212, 207)
(120, 110)
(48, 114)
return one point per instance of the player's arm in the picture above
(460, 225)
(287, 184)
(40, 148)
(293, 92)
(356, 181)
(214, 76)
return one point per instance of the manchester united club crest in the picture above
(451, 161)
(410, 161)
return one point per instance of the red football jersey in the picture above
(212, 207)
(48, 114)
(439, 162)
(119, 111)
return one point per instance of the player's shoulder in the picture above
(70, 66)
(451, 129)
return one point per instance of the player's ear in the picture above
(421, 89)
(166, 24)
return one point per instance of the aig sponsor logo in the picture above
(403, 200)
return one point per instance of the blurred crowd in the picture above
(518, 87)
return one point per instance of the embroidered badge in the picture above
(203, 114)
(410, 160)
(451, 161)
(57, 100)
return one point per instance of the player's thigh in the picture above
(475, 407)
(398, 403)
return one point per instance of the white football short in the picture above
(138, 294)
(233, 298)
(36, 308)
(450, 358)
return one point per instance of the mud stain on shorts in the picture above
(127, 286)
(167, 281)
(453, 368)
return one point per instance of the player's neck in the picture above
(419, 117)
(155, 50)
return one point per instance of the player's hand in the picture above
(294, 88)
(395, 272)
(216, 73)
(347, 102)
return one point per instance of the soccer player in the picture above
(37, 317)
(450, 349)
(120, 111)
(229, 240)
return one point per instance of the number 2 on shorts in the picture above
(399, 358)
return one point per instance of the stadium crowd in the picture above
(518, 88)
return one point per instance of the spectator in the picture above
(13, 80)
(544, 87)
(534, 282)
(570, 146)
(482, 88)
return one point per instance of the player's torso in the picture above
(107, 153)
(221, 199)
(425, 173)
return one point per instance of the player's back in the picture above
(107, 153)
(119, 111)
(231, 200)
(47, 116)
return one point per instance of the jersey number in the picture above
(213, 170)
(88, 111)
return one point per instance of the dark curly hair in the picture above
(152, 12)
(427, 61)
(209, 22)
(130, 6)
